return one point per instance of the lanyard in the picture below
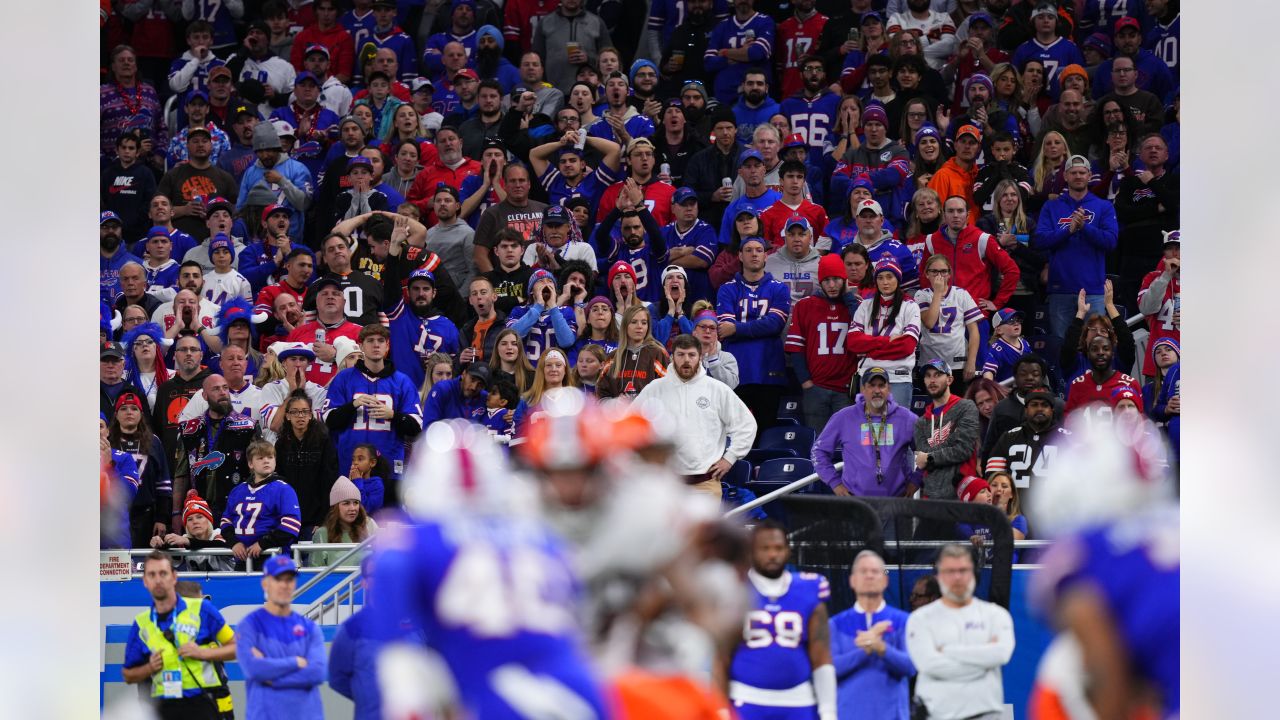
(876, 438)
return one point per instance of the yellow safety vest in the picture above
(196, 674)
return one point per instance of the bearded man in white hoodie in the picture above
(706, 417)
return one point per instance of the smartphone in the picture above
(854, 35)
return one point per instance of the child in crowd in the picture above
(975, 490)
(160, 267)
(368, 468)
(225, 282)
(201, 534)
(1007, 345)
(499, 406)
(591, 359)
(263, 513)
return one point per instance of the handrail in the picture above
(774, 495)
(1134, 321)
(205, 552)
(355, 550)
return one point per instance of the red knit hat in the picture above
(195, 505)
(969, 488)
(622, 266)
(831, 266)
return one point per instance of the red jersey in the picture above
(972, 257)
(797, 39)
(336, 39)
(657, 196)
(266, 301)
(423, 191)
(1085, 390)
(1161, 322)
(818, 329)
(318, 372)
(518, 17)
(774, 219)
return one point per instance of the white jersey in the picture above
(569, 251)
(871, 319)
(273, 396)
(221, 287)
(946, 339)
(937, 34)
(246, 401)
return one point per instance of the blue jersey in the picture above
(497, 599)
(757, 35)
(1164, 42)
(325, 122)
(759, 311)
(401, 44)
(774, 653)
(750, 118)
(413, 338)
(394, 389)
(591, 186)
(1001, 356)
(470, 186)
(541, 335)
(361, 29)
(666, 15)
(638, 126)
(182, 242)
(255, 510)
(702, 238)
(901, 254)
(812, 118)
(215, 13)
(1055, 56)
(1134, 565)
(165, 276)
(432, 55)
(647, 264)
(759, 204)
(1101, 16)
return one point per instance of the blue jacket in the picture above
(1076, 260)
(353, 665)
(109, 272)
(848, 429)
(303, 189)
(276, 687)
(749, 118)
(258, 264)
(870, 686)
(445, 402)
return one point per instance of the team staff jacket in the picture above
(352, 426)
(972, 255)
(191, 620)
(871, 686)
(212, 455)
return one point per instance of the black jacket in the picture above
(310, 466)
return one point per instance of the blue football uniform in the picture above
(757, 34)
(393, 388)
(1001, 356)
(770, 675)
(470, 186)
(812, 118)
(759, 311)
(1164, 41)
(542, 334)
(1101, 16)
(413, 338)
(645, 260)
(497, 599)
(361, 29)
(218, 15)
(1134, 565)
(591, 187)
(666, 15)
(253, 511)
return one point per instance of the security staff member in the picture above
(174, 645)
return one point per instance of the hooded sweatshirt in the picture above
(704, 413)
(949, 434)
(799, 275)
(858, 438)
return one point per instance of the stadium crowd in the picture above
(906, 235)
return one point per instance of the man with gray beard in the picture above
(958, 644)
(212, 455)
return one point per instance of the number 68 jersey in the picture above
(774, 653)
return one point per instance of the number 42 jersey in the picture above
(496, 598)
(774, 653)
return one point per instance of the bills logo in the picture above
(308, 149)
(212, 461)
(1143, 194)
(1066, 221)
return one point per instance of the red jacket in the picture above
(775, 218)
(971, 264)
(423, 190)
(336, 39)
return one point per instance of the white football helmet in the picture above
(456, 467)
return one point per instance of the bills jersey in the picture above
(1055, 56)
(818, 329)
(393, 389)
(255, 510)
(946, 339)
(774, 219)
(413, 338)
(1085, 391)
(666, 15)
(774, 652)
(590, 186)
(758, 33)
(1165, 43)
(217, 14)
(361, 29)
(759, 311)
(498, 600)
(221, 287)
(1134, 565)
(470, 186)
(812, 117)
(542, 336)
(644, 260)
(318, 371)
(1161, 323)
(702, 238)
(1001, 356)
(798, 38)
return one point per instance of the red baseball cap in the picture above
(270, 210)
(1127, 22)
(467, 73)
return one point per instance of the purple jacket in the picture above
(849, 430)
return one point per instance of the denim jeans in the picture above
(1062, 307)
(901, 392)
(820, 404)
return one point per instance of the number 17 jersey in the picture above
(774, 653)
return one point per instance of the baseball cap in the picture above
(1172, 237)
(306, 75)
(670, 270)
(422, 82)
(937, 364)
(797, 221)
(683, 195)
(1077, 161)
(296, 349)
(495, 143)
(1042, 394)
(358, 162)
(753, 238)
(1003, 316)
(107, 216)
(1129, 23)
(322, 283)
(871, 205)
(1044, 8)
(871, 15)
(244, 109)
(112, 350)
(750, 154)
(217, 70)
(981, 17)
(220, 242)
(874, 372)
(384, 3)
(639, 142)
(751, 210)
(218, 202)
(199, 130)
(272, 209)
(316, 48)
(283, 128)
(279, 565)
(876, 113)
(467, 73)
(861, 180)
(422, 274)
(196, 94)
(480, 371)
(162, 231)
(794, 140)
(969, 130)
(556, 215)
(1098, 41)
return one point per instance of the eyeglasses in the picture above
(298, 413)
(917, 115)
(937, 272)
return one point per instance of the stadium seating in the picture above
(798, 439)
(783, 471)
(739, 475)
(759, 456)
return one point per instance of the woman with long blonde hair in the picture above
(551, 378)
(1047, 178)
(509, 358)
(639, 359)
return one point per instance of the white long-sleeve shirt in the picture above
(958, 654)
(705, 413)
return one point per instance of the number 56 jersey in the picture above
(496, 598)
(774, 653)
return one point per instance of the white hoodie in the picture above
(703, 412)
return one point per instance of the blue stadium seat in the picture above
(784, 470)
(1038, 323)
(739, 475)
(787, 421)
(799, 439)
(789, 407)
(759, 456)
(1049, 347)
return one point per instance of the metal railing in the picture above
(344, 592)
(1133, 321)
(299, 552)
(787, 489)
